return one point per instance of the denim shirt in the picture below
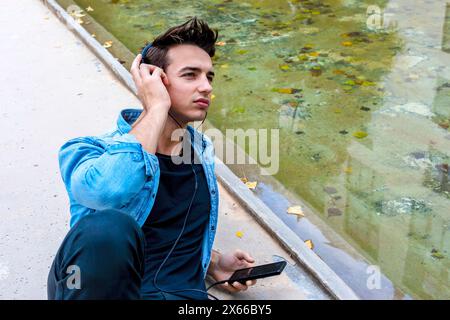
(114, 172)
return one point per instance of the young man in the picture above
(142, 224)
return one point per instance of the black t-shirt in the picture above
(183, 268)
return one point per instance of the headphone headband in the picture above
(145, 50)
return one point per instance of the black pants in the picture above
(101, 257)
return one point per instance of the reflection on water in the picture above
(361, 92)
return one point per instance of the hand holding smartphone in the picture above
(257, 272)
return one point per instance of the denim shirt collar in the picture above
(128, 116)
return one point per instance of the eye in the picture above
(190, 74)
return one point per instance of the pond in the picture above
(360, 93)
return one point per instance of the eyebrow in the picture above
(196, 69)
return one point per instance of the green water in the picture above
(363, 113)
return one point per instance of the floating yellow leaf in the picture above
(225, 66)
(239, 234)
(350, 82)
(286, 90)
(251, 185)
(89, 9)
(313, 54)
(296, 210)
(360, 134)
(310, 244)
(221, 43)
(348, 170)
(347, 43)
(213, 97)
(338, 71)
(93, 35)
(337, 110)
(315, 12)
(368, 83)
(303, 57)
(241, 51)
(244, 180)
(284, 67)
(108, 44)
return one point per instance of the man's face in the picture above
(190, 74)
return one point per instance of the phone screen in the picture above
(262, 271)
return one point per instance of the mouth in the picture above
(204, 103)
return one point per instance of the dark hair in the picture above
(194, 31)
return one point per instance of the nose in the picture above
(205, 86)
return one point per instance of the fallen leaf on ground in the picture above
(108, 44)
(296, 210)
(239, 234)
(347, 43)
(251, 185)
(310, 244)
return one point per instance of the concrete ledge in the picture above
(262, 214)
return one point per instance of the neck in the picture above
(169, 142)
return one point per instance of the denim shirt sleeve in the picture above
(102, 175)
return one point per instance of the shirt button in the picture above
(213, 191)
(213, 228)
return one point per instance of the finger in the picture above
(158, 72)
(244, 255)
(136, 62)
(230, 288)
(250, 283)
(149, 70)
(146, 70)
(134, 70)
(239, 286)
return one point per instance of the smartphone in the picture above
(257, 272)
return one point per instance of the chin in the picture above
(198, 115)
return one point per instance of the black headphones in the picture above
(144, 54)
